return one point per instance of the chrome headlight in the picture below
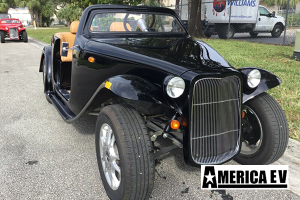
(6, 28)
(19, 28)
(253, 78)
(175, 87)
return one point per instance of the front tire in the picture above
(2, 36)
(265, 132)
(25, 37)
(277, 30)
(252, 34)
(126, 155)
(45, 80)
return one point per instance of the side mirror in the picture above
(273, 14)
(64, 49)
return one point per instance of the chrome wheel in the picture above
(110, 159)
(252, 133)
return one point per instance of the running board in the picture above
(62, 108)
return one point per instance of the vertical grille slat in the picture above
(215, 118)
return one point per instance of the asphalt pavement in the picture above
(42, 157)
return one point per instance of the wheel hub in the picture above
(252, 133)
(110, 157)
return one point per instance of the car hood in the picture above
(176, 55)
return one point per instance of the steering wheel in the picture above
(126, 17)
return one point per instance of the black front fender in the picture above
(268, 81)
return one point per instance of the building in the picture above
(22, 14)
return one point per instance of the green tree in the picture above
(39, 9)
(5, 4)
(69, 13)
(85, 3)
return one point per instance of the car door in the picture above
(264, 20)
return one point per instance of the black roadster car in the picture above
(145, 77)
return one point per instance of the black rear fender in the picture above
(46, 55)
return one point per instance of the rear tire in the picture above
(2, 37)
(274, 130)
(24, 36)
(132, 151)
(277, 30)
(208, 35)
(44, 80)
(252, 34)
(223, 31)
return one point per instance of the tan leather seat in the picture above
(118, 26)
(70, 38)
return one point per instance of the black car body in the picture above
(135, 68)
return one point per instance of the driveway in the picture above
(42, 157)
(266, 38)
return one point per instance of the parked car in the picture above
(13, 29)
(144, 81)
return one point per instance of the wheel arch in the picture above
(268, 81)
(281, 24)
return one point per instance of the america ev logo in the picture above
(244, 176)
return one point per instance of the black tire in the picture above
(277, 30)
(2, 36)
(24, 36)
(274, 128)
(135, 152)
(252, 34)
(223, 31)
(44, 79)
(208, 35)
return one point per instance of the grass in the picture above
(277, 59)
(45, 34)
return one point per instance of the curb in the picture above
(37, 43)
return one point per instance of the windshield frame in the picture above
(108, 34)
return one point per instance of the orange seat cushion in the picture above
(70, 38)
(118, 26)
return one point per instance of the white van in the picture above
(246, 16)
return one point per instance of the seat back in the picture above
(118, 26)
(70, 38)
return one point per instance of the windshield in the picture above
(263, 11)
(135, 22)
(10, 21)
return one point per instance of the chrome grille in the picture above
(215, 120)
(13, 33)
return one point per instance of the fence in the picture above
(228, 18)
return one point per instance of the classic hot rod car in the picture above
(13, 29)
(145, 77)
